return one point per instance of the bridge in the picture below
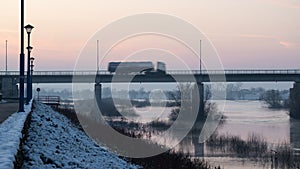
(9, 80)
(291, 75)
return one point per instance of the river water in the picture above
(243, 118)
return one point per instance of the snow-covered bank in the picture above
(54, 142)
(10, 135)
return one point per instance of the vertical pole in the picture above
(200, 54)
(97, 55)
(6, 57)
(21, 95)
(28, 72)
(98, 85)
(31, 74)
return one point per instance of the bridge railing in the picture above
(172, 72)
(290, 71)
(49, 100)
(77, 73)
(9, 73)
(55, 73)
(233, 71)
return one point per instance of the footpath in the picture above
(10, 137)
(7, 108)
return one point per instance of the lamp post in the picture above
(31, 73)
(21, 77)
(29, 49)
(29, 91)
(6, 56)
(31, 67)
(200, 55)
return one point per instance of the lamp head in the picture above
(29, 48)
(28, 28)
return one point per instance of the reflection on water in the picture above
(148, 114)
(243, 119)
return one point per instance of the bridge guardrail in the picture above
(233, 71)
(172, 72)
(49, 100)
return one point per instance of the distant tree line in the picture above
(274, 99)
(234, 91)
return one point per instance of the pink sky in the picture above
(247, 34)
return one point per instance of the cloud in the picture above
(286, 44)
(257, 36)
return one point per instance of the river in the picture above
(243, 119)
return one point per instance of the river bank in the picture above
(168, 159)
(243, 120)
(53, 141)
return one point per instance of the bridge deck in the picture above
(171, 72)
(292, 75)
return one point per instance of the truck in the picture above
(136, 67)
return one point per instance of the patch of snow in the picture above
(55, 142)
(2, 101)
(10, 135)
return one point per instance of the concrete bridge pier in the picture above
(295, 134)
(9, 88)
(198, 105)
(198, 100)
(98, 88)
(295, 101)
(198, 146)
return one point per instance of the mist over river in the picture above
(243, 119)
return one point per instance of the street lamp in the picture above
(31, 74)
(31, 71)
(31, 66)
(29, 49)
(21, 77)
(28, 28)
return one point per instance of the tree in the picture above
(232, 90)
(272, 98)
(183, 96)
(208, 105)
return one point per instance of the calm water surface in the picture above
(244, 118)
